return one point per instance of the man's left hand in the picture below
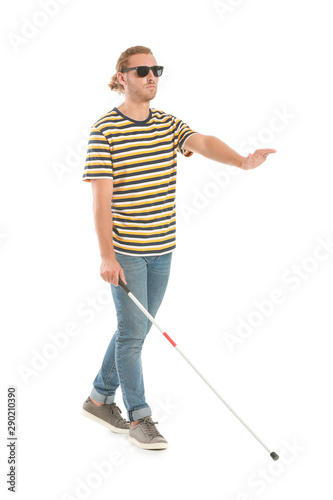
(256, 159)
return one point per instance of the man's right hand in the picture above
(111, 270)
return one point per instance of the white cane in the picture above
(135, 300)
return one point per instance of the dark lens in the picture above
(158, 70)
(142, 71)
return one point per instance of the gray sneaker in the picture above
(145, 435)
(107, 414)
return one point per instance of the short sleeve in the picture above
(98, 161)
(183, 132)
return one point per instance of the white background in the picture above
(229, 69)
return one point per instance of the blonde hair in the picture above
(123, 63)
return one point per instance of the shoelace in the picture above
(149, 426)
(115, 410)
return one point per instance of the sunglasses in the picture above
(142, 71)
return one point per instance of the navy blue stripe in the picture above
(145, 243)
(124, 235)
(131, 251)
(146, 197)
(144, 147)
(142, 164)
(144, 222)
(101, 174)
(128, 211)
(147, 189)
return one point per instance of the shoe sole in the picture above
(103, 422)
(148, 446)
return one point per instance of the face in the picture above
(139, 89)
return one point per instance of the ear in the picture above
(121, 78)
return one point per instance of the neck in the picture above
(136, 110)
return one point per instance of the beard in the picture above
(142, 95)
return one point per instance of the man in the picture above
(131, 164)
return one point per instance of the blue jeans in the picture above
(147, 278)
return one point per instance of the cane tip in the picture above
(274, 455)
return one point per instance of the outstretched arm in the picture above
(213, 148)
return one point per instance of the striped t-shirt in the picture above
(141, 158)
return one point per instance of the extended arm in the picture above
(213, 148)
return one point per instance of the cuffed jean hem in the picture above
(137, 414)
(101, 398)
